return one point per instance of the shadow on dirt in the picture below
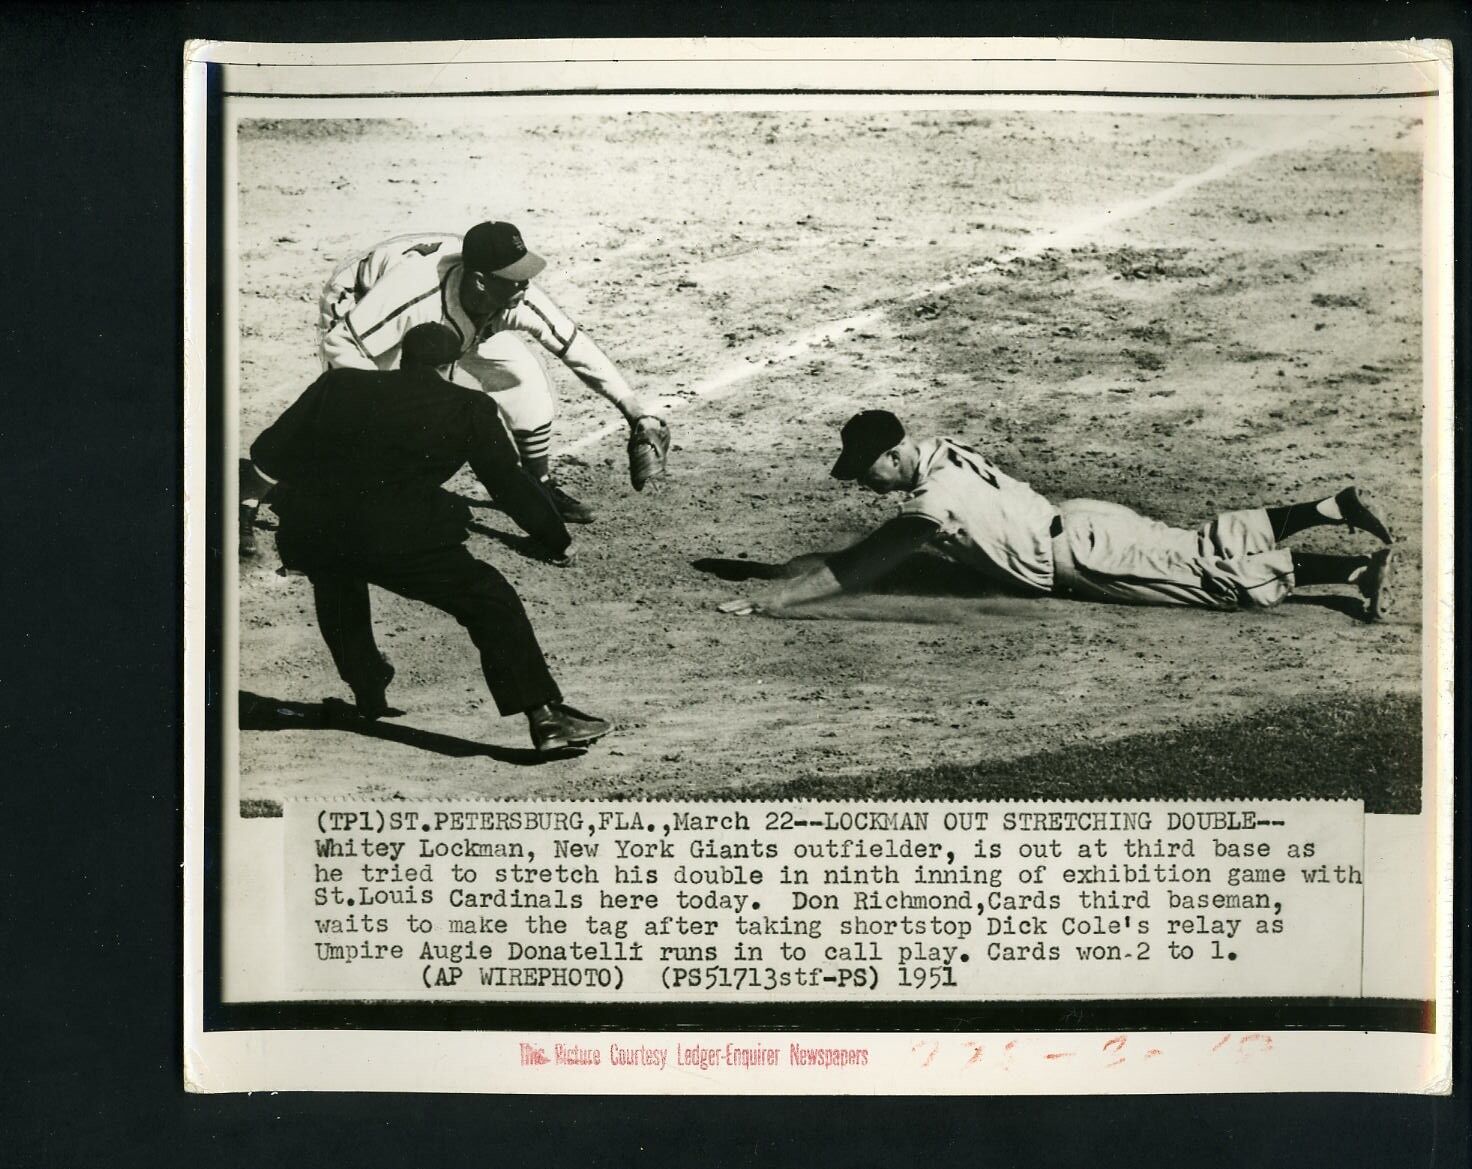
(934, 576)
(524, 546)
(1342, 746)
(258, 713)
(920, 576)
(1349, 606)
(738, 570)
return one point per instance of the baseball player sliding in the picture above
(479, 286)
(959, 503)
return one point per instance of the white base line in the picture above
(1061, 237)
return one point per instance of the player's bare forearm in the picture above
(813, 585)
(819, 575)
(620, 395)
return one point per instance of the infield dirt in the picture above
(1253, 337)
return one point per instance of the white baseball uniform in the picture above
(371, 301)
(988, 520)
(1091, 549)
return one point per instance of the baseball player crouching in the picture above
(479, 286)
(959, 503)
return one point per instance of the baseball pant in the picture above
(453, 581)
(511, 372)
(1107, 552)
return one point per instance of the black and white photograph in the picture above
(995, 448)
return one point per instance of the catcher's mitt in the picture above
(649, 444)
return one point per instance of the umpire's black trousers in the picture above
(452, 580)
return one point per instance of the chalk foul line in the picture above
(1061, 237)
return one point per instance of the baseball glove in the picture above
(649, 445)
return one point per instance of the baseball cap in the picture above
(498, 250)
(866, 436)
(430, 344)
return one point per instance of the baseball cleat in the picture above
(248, 549)
(1374, 586)
(571, 510)
(558, 727)
(1358, 516)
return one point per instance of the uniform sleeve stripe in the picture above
(563, 351)
(445, 295)
(551, 328)
(445, 313)
(405, 307)
(353, 333)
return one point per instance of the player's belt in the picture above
(1065, 571)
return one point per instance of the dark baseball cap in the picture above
(498, 250)
(430, 344)
(866, 436)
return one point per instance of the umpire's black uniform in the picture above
(360, 459)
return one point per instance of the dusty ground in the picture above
(1254, 338)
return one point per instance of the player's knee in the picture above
(511, 373)
(527, 406)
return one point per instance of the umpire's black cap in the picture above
(866, 436)
(498, 250)
(429, 345)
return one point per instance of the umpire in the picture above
(360, 459)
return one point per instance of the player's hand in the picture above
(739, 607)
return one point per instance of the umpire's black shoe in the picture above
(558, 728)
(1358, 516)
(372, 699)
(572, 511)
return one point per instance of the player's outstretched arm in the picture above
(852, 570)
(596, 370)
(539, 316)
(813, 585)
(649, 435)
